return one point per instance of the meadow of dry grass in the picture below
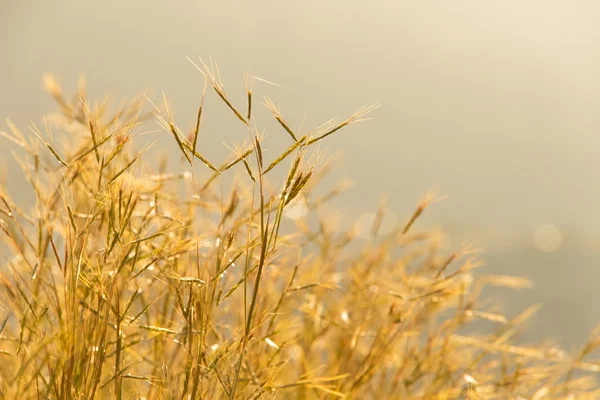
(124, 281)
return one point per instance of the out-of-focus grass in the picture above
(118, 286)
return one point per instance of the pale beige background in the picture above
(496, 103)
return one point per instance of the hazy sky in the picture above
(494, 103)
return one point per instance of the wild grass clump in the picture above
(125, 281)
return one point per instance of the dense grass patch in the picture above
(125, 281)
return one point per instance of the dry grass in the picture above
(118, 286)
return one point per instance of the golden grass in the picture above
(118, 286)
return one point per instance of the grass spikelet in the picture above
(249, 96)
(92, 129)
(277, 114)
(331, 128)
(15, 136)
(198, 118)
(52, 87)
(285, 154)
(212, 73)
(427, 200)
(38, 134)
(184, 147)
(259, 153)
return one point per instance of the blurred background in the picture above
(495, 104)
